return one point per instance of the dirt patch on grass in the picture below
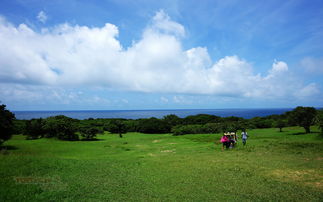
(168, 151)
(319, 158)
(172, 143)
(151, 154)
(155, 141)
(309, 177)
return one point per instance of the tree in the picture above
(62, 127)
(19, 126)
(319, 120)
(261, 122)
(6, 124)
(34, 129)
(117, 126)
(201, 119)
(303, 116)
(89, 132)
(172, 120)
(280, 123)
(153, 125)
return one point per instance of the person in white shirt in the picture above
(244, 136)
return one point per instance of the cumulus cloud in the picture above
(42, 17)
(67, 55)
(162, 23)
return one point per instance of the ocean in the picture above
(136, 114)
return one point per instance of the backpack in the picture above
(224, 139)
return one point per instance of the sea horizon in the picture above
(148, 113)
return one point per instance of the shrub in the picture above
(212, 128)
(153, 125)
(131, 125)
(6, 124)
(89, 133)
(260, 122)
(319, 120)
(62, 127)
(116, 126)
(201, 119)
(34, 129)
(172, 120)
(189, 129)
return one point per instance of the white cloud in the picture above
(68, 55)
(42, 17)
(313, 65)
(162, 23)
(163, 99)
(278, 67)
(309, 90)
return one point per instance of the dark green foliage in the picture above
(116, 126)
(232, 119)
(197, 129)
(319, 120)
(131, 125)
(201, 119)
(6, 124)
(261, 122)
(153, 125)
(89, 132)
(303, 116)
(201, 123)
(280, 123)
(19, 126)
(62, 127)
(172, 120)
(187, 129)
(213, 128)
(34, 129)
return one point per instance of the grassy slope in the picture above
(272, 167)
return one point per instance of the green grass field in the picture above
(273, 166)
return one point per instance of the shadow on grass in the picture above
(5, 149)
(8, 147)
(303, 133)
(91, 140)
(299, 133)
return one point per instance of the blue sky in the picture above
(122, 54)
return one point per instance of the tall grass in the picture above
(273, 166)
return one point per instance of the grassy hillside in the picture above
(273, 166)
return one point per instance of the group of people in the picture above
(230, 139)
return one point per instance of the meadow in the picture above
(273, 166)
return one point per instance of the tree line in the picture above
(65, 128)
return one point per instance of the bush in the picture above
(62, 127)
(116, 126)
(6, 124)
(19, 126)
(189, 129)
(153, 125)
(212, 128)
(319, 120)
(34, 129)
(201, 119)
(261, 122)
(172, 120)
(131, 125)
(89, 133)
